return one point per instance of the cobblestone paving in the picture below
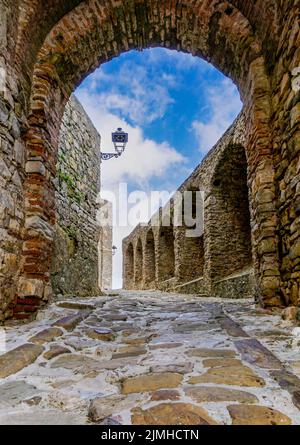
(151, 358)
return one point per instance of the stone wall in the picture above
(229, 215)
(12, 168)
(213, 261)
(74, 269)
(105, 218)
(286, 120)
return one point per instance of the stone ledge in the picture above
(192, 287)
(236, 286)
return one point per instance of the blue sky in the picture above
(173, 105)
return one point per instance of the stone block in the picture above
(31, 288)
(290, 313)
(36, 167)
(17, 359)
(38, 226)
(172, 414)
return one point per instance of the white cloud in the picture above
(143, 108)
(132, 93)
(143, 158)
(223, 106)
(180, 60)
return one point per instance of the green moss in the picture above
(65, 177)
(71, 231)
(79, 197)
(62, 157)
(71, 180)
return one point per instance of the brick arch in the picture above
(92, 34)
(149, 264)
(129, 267)
(138, 263)
(37, 18)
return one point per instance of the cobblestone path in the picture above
(150, 358)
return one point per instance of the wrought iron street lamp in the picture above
(120, 140)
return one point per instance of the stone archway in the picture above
(189, 238)
(58, 46)
(228, 245)
(248, 72)
(149, 259)
(166, 254)
(138, 264)
(230, 222)
(129, 267)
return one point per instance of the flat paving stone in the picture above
(257, 415)
(46, 336)
(151, 382)
(70, 322)
(119, 363)
(129, 351)
(85, 364)
(190, 327)
(231, 327)
(164, 346)
(172, 414)
(127, 331)
(76, 361)
(180, 368)
(253, 352)
(55, 351)
(215, 362)
(286, 380)
(137, 341)
(42, 417)
(80, 343)
(269, 333)
(229, 375)
(119, 327)
(101, 334)
(17, 359)
(205, 352)
(16, 392)
(204, 394)
(165, 394)
(75, 305)
(103, 407)
(114, 317)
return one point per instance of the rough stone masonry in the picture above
(47, 48)
(218, 261)
(74, 269)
